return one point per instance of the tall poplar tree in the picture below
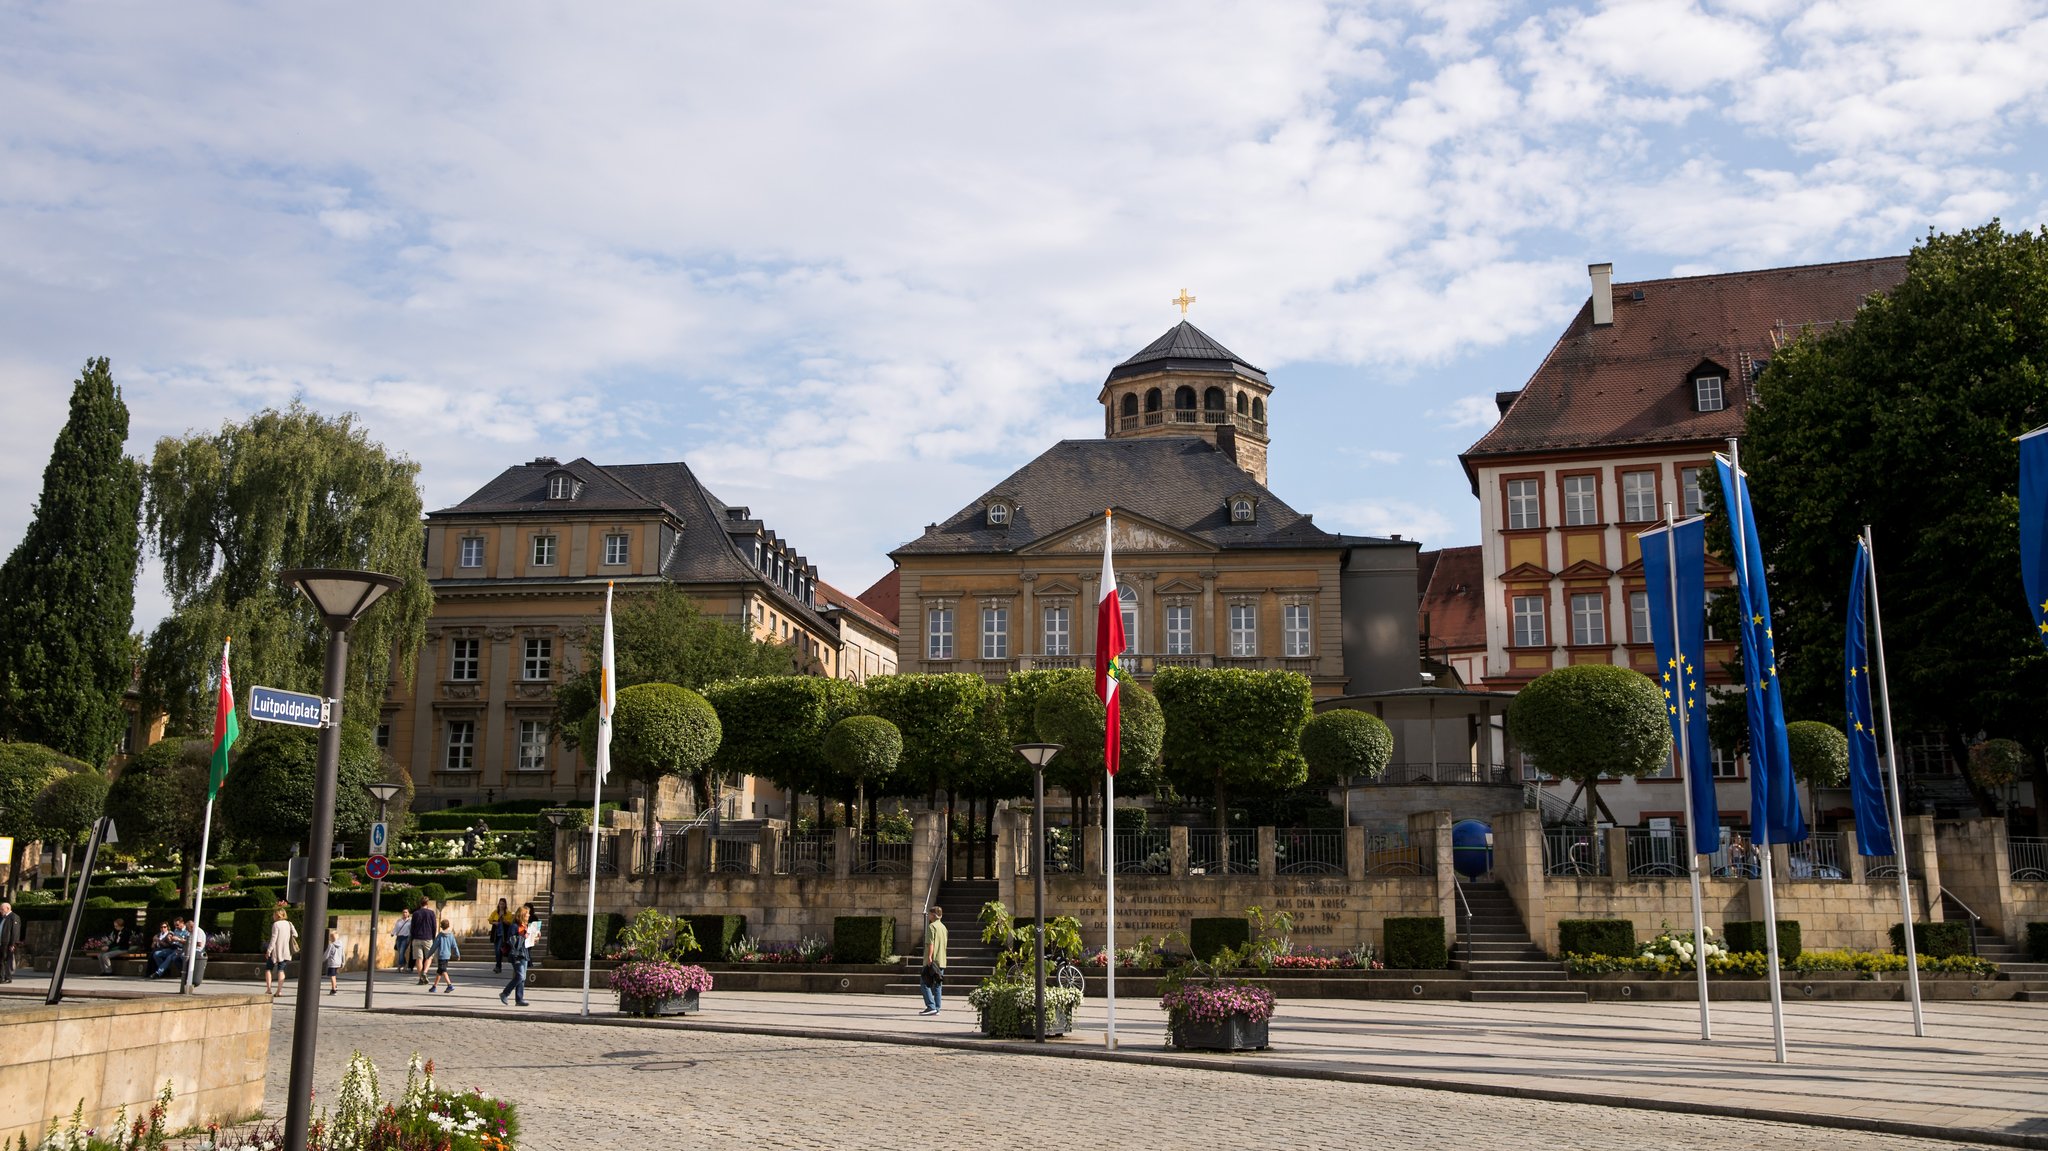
(67, 593)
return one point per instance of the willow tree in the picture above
(229, 512)
(67, 593)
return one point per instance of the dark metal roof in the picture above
(1186, 348)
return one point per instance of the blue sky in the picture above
(855, 263)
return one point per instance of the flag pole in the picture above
(1760, 837)
(1685, 768)
(198, 898)
(224, 733)
(1109, 827)
(1891, 765)
(600, 765)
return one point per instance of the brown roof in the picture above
(1629, 382)
(832, 599)
(1453, 599)
(885, 597)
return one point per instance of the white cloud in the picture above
(1384, 517)
(1469, 412)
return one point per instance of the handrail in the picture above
(931, 887)
(1466, 930)
(1975, 919)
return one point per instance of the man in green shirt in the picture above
(933, 977)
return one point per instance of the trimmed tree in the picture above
(862, 752)
(775, 727)
(1231, 730)
(1070, 714)
(159, 800)
(1343, 743)
(1820, 757)
(68, 808)
(268, 796)
(67, 593)
(662, 729)
(952, 728)
(1589, 720)
(1996, 763)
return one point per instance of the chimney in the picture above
(1603, 293)
(1226, 440)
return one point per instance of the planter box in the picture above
(685, 1004)
(1236, 1033)
(1057, 1022)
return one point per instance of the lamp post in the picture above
(341, 597)
(382, 793)
(102, 834)
(1038, 755)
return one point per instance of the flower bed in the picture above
(1754, 964)
(1213, 1003)
(1010, 1010)
(649, 986)
(805, 950)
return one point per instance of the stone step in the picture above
(1479, 996)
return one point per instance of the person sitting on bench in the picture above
(168, 953)
(123, 942)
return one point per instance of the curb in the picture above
(1242, 1065)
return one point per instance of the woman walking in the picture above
(517, 953)
(501, 926)
(277, 954)
(445, 949)
(401, 942)
(332, 961)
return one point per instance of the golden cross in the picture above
(1183, 300)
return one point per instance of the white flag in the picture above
(607, 695)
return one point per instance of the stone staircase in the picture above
(968, 959)
(2012, 959)
(1501, 952)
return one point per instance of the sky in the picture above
(856, 263)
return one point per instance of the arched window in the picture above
(1129, 601)
(1212, 400)
(1184, 398)
(1241, 510)
(1130, 403)
(1243, 404)
(998, 513)
(1152, 400)
(1258, 411)
(561, 486)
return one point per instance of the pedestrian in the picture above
(518, 951)
(401, 942)
(501, 925)
(424, 924)
(445, 949)
(332, 961)
(10, 939)
(933, 978)
(277, 953)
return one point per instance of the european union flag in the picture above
(1774, 815)
(2034, 526)
(1675, 570)
(1866, 783)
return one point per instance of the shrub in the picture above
(1939, 940)
(864, 938)
(1416, 943)
(251, 870)
(715, 935)
(489, 869)
(1748, 935)
(1600, 937)
(565, 933)
(433, 893)
(2037, 942)
(359, 899)
(249, 930)
(100, 901)
(164, 891)
(1206, 936)
(264, 896)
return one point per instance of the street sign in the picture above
(378, 867)
(378, 833)
(275, 705)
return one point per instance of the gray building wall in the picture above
(1380, 601)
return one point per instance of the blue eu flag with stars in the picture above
(2034, 526)
(1675, 571)
(1866, 783)
(1774, 815)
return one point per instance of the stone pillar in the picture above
(632, 853)
(842, 852)
(1091, 851)
(697, 850)
(1518, 861)
(1009, 834)
(1354, 853)
(1852, 859)
(1976, 867)
(1429, 833)
(1177, 850)
(1267, 867)
(771, 847)
(1617, 852)
(1926, 862)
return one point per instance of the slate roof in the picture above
(1187, 348)
(1453, 597)
(1180, 482)
(1628, 383)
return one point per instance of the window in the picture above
(543, 551)
(1638, 496)
(472, 552)
(1589, 619)
(1689, 489)
(938, 633)
(462, 663)
(1244, 404)
(1128, 599)
(384, 737)
(1000, 513)
(540, 657)
(1528, 612)
(615, 547)
(561, 487)
(1244, 629)
(1712, 596)
(1059, 630)
(1707, 391)
(461, 745)
(1294, 630)
(1180, 629)
(1241, 511)
(1581, 500)
(1130, 403)
(533, 745)
(995, 633)
(1639, 617)
(1258, 410)
(1727, 765)
(1525, 508)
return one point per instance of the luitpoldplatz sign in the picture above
(275, 705)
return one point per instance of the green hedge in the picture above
(715, 933)
(565, 933)
(92, 921)
(1936, 940)
(863, 938)
(1748, 935)
(1207, 936)
(463, 818)
(249, 930)
(359, 899)
(1416, 943)
(1597, 937)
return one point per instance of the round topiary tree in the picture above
(661, 729)
(268, 794)
(1070, 714)
(158, 802)
(68, 808)
(862, 752)
(1592, 720)
(1342, 743)
(1820, 757)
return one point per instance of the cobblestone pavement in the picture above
(580, 1085)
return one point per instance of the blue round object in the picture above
(1471, 848)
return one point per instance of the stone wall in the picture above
(1329, 911)
(1975, 868)
(111, 1053)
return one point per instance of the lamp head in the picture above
(381, 792)
(109, 837)
(1038, 754)
(340, 594)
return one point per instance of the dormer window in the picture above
(1707, 395)
(1242, 509)
(561, 486)
(999, 514)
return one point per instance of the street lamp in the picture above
(382, 793)
(341, 597)
(1038, 755)
(102, 834)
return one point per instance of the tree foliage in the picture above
(945, 721)
(72, 803)
(268, 794)
(863, 750)
(775, 727)
(1229, 729)
(158, 801)
(1343, 743)
(229, 512)
(67, 592)
(1995, 763)
(1820, 752)
(26, 771)
(661, 729)
(1589, 720)
(1070, 714)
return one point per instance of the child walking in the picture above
(332, 961)
(445, 949)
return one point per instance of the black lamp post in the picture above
(341, 597)
(1038, 755)
(382, 793)
(102, 834)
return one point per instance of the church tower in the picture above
(1185, 383)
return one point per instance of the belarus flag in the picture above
(225, 727)
(1109, 645)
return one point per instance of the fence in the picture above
(1236, 853)
(1308, 851)
(1735, 860)
(2028, 858)
(1816, 857)
(879, 858)
(1143, 852)
(1656, 853)
(805, 855)
(732, 854)
(1392, 853)
(607, 853)
(1574, 851)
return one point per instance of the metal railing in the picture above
(1144, 852)
(1062, 849)
(1876, 867)
(732, 854)
(1574, 851)
(804, 855)
(607, 853)
(1551, 806)
(1440, 771)
(668, 856)
(1818, 856)
(1236, 853)
(879, 858)
(1308, 851)
(1393, 853)
(1735, 860)
(1464, 912)
(1656, 854)
(2028, 859)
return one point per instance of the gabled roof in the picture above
(1185, 347)
(1628, 382)
(831, 599)
(1454, 598)
(884, 596)
(1180, 482)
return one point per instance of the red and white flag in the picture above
(1109, 647)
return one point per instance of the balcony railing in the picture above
(731, 854)
(1144, 852)
(879, 858)
(607, 852)
(1735, 860)
(1574, 851)
(1235, 853)
(1655, 854)
(1392, 853)
(1816, 857)
(1308, 851)
(804, 855)
(2028, 859)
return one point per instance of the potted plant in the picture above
(650, 982)
(1209, 1007)
(1006, 1003)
